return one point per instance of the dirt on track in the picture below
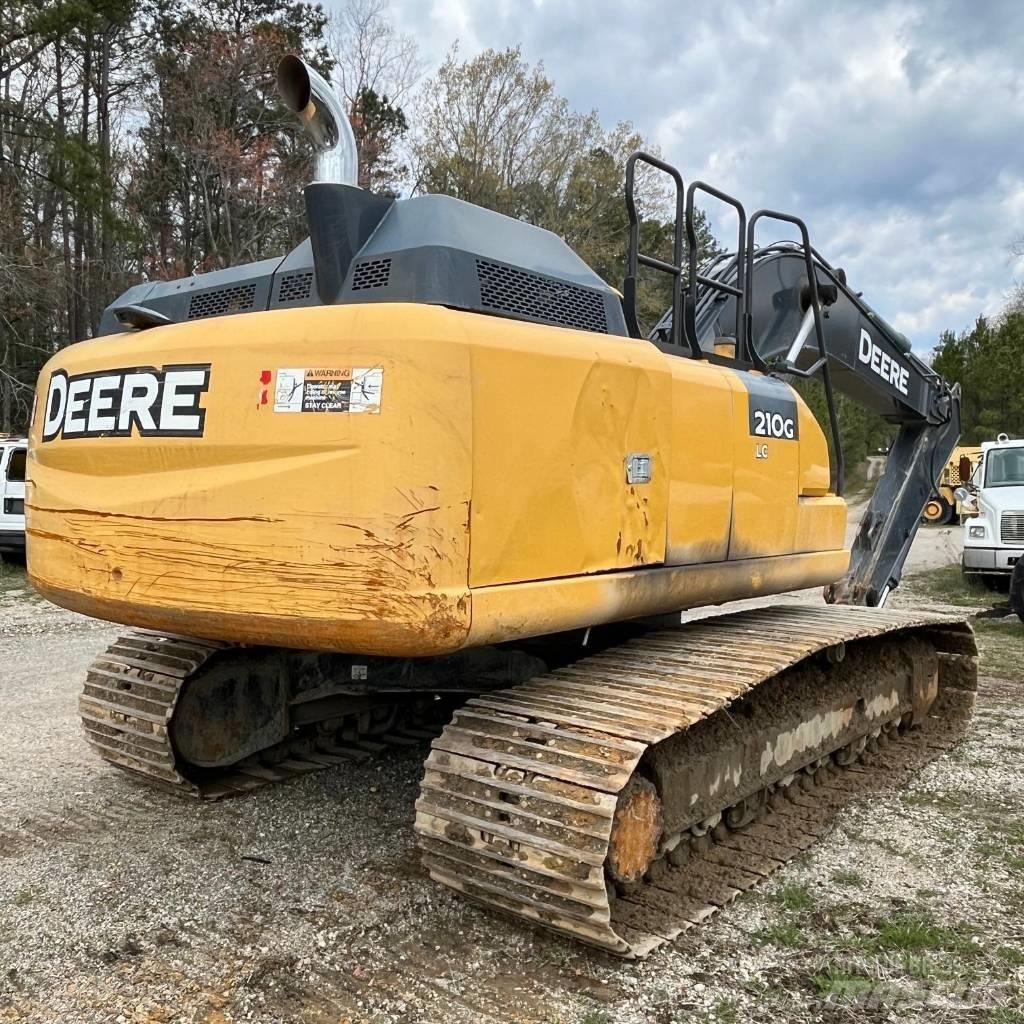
(307, 903)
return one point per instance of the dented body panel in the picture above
(408, 480)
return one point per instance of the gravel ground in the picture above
(306, 903)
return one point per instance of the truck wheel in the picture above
(998, 584)
(1017, 589)
(938, 511)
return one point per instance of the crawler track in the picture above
(525, 789)
(130, 695)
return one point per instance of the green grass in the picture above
(1000, 639)
(948, 585)
(1004, 1015)
(725, 1011)
(1004, 840)
(849, 878)
(795, 899)
(835, 980)
(911, 933)
(596, 1017)
(1011, 956)
(15, 585)
(787, 934)
(1000, 643)
(25, 897)
(945, 800)
(905, 948)
(13, 577)
(795, 896)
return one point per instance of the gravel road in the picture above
(305, 902)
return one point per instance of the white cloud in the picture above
(895, 129)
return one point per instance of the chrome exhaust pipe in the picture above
(322, 113)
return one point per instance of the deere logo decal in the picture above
(889, 368)
(143, 400)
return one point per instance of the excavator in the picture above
(428, 468)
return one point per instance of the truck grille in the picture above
(1012, 528)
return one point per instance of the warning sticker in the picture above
(350, 389)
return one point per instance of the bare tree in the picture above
(377, 66)
(1015, 300)
(371, 54)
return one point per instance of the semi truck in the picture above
(994, 504)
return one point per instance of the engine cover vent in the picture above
(536, 297)
(295, 287)
(219, 301)
(371, 274)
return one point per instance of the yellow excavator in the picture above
(428, 466)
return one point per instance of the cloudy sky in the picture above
(895, 129)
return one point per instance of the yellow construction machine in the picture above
(943, 506)
(428, 466)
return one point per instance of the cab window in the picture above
(1005, 468)
(16, 466)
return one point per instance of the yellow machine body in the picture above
(950, 479)
(482, 495)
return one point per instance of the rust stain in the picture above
(152, 519)
(60, 539)
(636, 830)
(389, 591)
(410, 497)
(412, 515)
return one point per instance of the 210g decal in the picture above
(773, 424)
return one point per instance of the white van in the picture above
(994, 527)
(13, 451)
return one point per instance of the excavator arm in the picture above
(784, 310)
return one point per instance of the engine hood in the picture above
(993, 501)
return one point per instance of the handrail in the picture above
(694, 277)
(635, 259)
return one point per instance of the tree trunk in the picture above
(65, 215)
(79, 322)
(106, 268)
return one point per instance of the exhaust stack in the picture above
(309, 95)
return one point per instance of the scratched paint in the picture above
(320, 531)
(487, 500)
